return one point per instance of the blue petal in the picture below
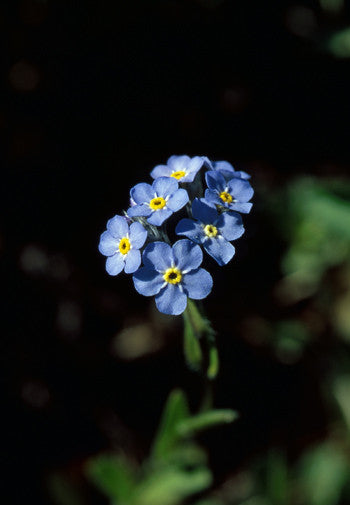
(204, 212)
(189, 177)
(215, 180)
(115, 264)
(108, 245)
(147, 281)
(245, 207)
(177, 163)
(230, 225)
(193, 166)
(165, 186)
(219, 249)
(137, 234)
(190, 229)
(161, 171)
(211, 198)
(142, 193)
(140, 210)
(171, 300)
(132, 261)
(197, 284)
(207, 163)
(224, 166)
(240, 189)
(158, 255)
(159, 216)
(118, 226)
(187, 255)
(178, 200)
(242, 175)
(226, 169)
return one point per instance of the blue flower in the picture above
(157, 202)
(121, 244)
(226, 169)
(172, 274)
(182, 168)
(212, 230)
(233, 194)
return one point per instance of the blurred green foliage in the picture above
(177, 467)
(332, 6)
(314, 220)
(339, 43)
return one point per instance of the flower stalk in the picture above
(199, 341)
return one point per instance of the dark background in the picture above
(94, 94)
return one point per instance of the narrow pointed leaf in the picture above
(175, 411)
(113, 475)
(201, 422)
(171, 485)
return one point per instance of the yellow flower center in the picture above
(157, 203)
(124, 245)
(179, 174)
(226, 197)
(172, 275)
(210, 230)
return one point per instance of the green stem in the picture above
(198, 336)
(192, 348)
(207, 401)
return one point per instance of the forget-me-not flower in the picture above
(159, 201)
(212, 230)
(121, 244)
(172, 274)
(182, 168)
(226, 169)
(233, 194)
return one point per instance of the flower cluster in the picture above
(172, 273)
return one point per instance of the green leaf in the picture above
(171, 485)
(113, 475)
(187, 454)
(175, 410)
(201, 422)
(323, 473)
(277, 478)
